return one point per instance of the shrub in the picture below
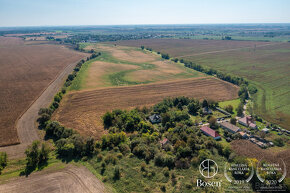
(164, 160)
(99, 157)
(233, 121)
(279, 142)
(124, 149)
(195, 161)
(57, 98)
(107, 119)
(3, 160)
(110, 159)
(183, 163)
(117, 173)
(165, 171)
(229, 108)
(163, 188)
(165, 56)
(143, 166)
(105, 179)
(119, 155)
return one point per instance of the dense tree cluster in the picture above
(89, 37)
(186, 141)
(36, 156)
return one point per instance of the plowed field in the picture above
(82, 110)
(25, 72)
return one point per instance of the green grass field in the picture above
(235, 103)
(268, 68)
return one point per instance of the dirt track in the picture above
(26, 125)
(69, 180)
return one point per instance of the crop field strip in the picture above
(82, 110)
(266, 64)
(25, 71)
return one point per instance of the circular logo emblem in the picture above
(208, 168)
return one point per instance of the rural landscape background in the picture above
(137, 104)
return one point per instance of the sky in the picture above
(123, 12)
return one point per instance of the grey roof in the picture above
(230, 126)
(155, 118)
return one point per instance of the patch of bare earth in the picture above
(71, 179)
(83, 110)
(248, 149)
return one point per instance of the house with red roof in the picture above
(164, 142)
(210, 132)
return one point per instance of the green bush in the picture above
(3, 160)
(117, 173)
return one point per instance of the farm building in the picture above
(155, 118)
(248, 122)
(244, 135)
(206, 111)
(230, 127)
(209, 132)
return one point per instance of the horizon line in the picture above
(94, 25)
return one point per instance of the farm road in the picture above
(71, 179)
(227, 50)
(26, 125)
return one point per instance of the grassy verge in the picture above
(78, 82)
(235, 103)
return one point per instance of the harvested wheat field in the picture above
(25, 72)
(248, 149)
(82, 110)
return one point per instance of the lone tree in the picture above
(240, 110)
(233, 121)
(213, 123)
(204, 103)
(229, 108)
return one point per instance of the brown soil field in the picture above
(82, 110)
(182, 47)
(248, 149)
(71, 179)
(25, 72)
